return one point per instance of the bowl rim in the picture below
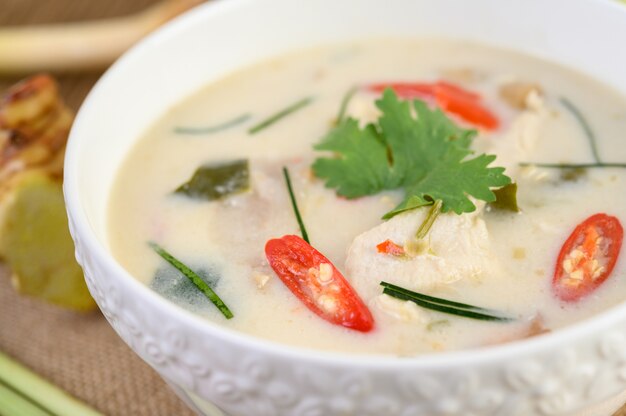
(568, 335)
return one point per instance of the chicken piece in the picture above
(456, 247)
(521, 140)
(519, 94)
(255, 212)
(362, 107)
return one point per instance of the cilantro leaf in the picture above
(413, 148)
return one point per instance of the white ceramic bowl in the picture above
(556, 374)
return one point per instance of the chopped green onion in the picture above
(194, 278)
(344, 104)
(294, 204)
(432, 215)
(585, 126)
(443, 305)
(574, 165)
(282, 113)
(213, 129)
(23, 392)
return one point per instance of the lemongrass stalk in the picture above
(80, 46)
(46, 395)
(13, 403)
(432, 215)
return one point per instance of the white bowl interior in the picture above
(216, 39)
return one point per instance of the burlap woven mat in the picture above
(80, 352)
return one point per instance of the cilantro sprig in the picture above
(412, 148)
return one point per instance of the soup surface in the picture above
(524, 110)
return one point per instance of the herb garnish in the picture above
(585, 126)
(294, 204)
(427, 157)
(194, 278)
(282, 113)
(217, 181)
(443, 305)
(213, 129)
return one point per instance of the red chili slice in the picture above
(467, 108)
(389, 247)
(450, 97)
(317, 283)
(587, 257)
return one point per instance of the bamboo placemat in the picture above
(80, 353)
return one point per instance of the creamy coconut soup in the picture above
(477, 184)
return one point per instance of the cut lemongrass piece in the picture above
(282, 113)
(83, 45)
(432, 215)
(591, 138)
(194, 278)
(573, 165)
(344, 104)
(213, 129)
(14, 403)
(443, 305)
(433, 298)
(294, 204)
(38, 391)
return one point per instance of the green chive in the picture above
(23, 392)
(585, 126)
(574, 165)
(194, 278)
(344, 104)
(443, 305)
(282, 113)
(432, 215)
(213, 129)
(294, 204)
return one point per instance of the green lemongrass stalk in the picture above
(344, 104)
(14, 403)
(213, 129)
(281, 114)
(432, 215)
(294, 204)
(194, 278)
(81, 46)
(591, 137)
(31, 395)
(443, 305)
(573, 165)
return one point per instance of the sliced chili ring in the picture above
(587, 257)
(317, 283)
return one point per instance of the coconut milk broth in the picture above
(227, 238)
